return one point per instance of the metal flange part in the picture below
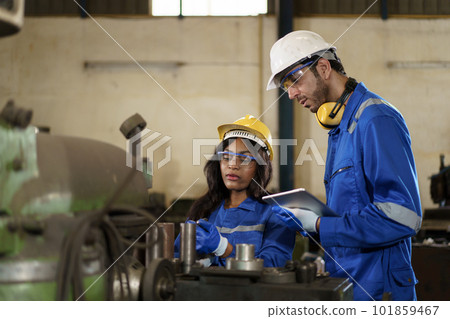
(158, 282)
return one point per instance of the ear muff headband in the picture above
(329, 114)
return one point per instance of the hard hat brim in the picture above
(271, 84)
(223, 129)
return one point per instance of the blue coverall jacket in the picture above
(371, 182)
(254, 223)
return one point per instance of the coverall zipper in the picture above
(338, 171)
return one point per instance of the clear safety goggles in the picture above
(241, 159)
(293, 76)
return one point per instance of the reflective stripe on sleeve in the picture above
(401, 215)
(241, 228)
(362, 107)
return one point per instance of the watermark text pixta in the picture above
(142, 147)
(308, 152)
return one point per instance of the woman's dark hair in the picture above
(217, 191)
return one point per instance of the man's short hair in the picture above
(335, 65)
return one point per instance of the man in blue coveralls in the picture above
(370, 175)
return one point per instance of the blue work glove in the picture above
(298, 219)
(208, 239)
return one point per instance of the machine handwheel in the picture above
(158, 282)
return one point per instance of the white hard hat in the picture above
(294, 47)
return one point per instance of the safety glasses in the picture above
(241, 159)
(293, 76)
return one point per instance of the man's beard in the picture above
(320, 93)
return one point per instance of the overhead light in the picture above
(418, 64)
(130, 65)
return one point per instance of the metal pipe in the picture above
(154, 251)
(168, 230)
(187, 246)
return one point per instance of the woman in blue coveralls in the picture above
(232, 212)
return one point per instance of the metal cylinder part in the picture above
(162, 237)
(320, 265)
(306, 272)
(168, 230)
(187, 246)
(155, 250)
(245, 252)
(245, 259)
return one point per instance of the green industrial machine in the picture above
(72, 213)
(63, 203)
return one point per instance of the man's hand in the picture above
(298, 219)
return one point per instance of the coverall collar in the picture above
(248, 204)
(352, 104)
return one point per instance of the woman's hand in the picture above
(209, 239)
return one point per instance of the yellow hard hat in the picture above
(251, 128)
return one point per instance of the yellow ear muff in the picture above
(325, 117)
(329, 114)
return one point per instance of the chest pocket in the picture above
(341, 187)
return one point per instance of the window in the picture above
(209, 7)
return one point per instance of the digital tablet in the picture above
(300, 198)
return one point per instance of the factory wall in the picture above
(80, 78)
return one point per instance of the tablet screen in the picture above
(300, 198)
